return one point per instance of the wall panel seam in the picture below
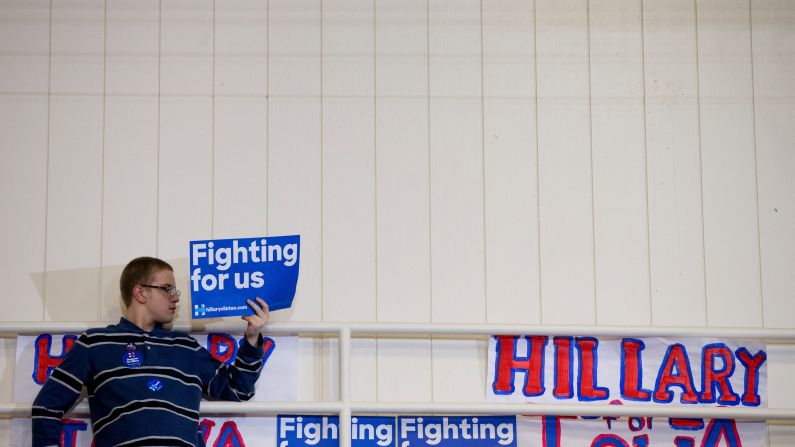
(756, 160)
(646, 158)
(590, 152)
(47, 173)
(701, 165)
(102, 173)
(538, 168)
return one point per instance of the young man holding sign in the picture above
(145, 382)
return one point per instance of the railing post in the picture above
(345, 390)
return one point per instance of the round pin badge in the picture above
(131, 357)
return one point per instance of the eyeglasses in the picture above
(170, 290)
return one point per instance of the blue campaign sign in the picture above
(461, 431)
(307, 431)
(372, 431)
(323, 431)
(224, 273)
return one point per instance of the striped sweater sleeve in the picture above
(59, 393)
(233, 382)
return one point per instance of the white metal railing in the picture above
(344, 407)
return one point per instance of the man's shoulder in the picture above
(121, 332)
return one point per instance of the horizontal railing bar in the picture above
(469, 408)
(431, 329)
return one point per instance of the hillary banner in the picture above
(650, 371)
(37, 356)
(448, 431)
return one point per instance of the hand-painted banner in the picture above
(224, 273)
(550, 431)
(37, 356)
(629, 370)
(458, 431)
(217, 432)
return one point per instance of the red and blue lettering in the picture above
(632, 370)
(550, 431)
(689, 424)
(752, 363)
(508, 363)
(640, 441)
(608, 441)
(564, 360)
(587, 389)
(222, 347)
(205, 427)
(684, 441)
(268, 346)
(712, 378)
(721, 429)
(675, 371)
(229, 436)
(69, 429)
(43, 361)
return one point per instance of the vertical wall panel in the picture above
(673, 161)
(241, 48)
(402, 176)
(781, 435)
(294, 174)
(401, 129)
(780, 371)
(330, 365)
(24, 46)
(364, 369)
(731, 234)
(187, 34)
(8, 348)
(456, 162)
(74, 197)
(24, 56)
(240, 134)
(78, 46)
(459, 370)
(130, 193)
(133, 39)
(241, 167)
(185, 205)
(564, 157)
(404, 370)
(23, 139)
(774, 89)
(129, 210)
(621, 245)
(510, 168)
(309, 372)
(348, 161)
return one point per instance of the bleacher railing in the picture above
(344, 407)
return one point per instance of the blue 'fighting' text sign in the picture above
(323, 431)
(224, 273)
(469, 431)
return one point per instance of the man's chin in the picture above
(167, 319)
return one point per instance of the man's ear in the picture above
(137, 294)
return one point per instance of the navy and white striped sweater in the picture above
(144, 388)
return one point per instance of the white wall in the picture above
(602, 162)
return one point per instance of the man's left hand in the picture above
(257, 321)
